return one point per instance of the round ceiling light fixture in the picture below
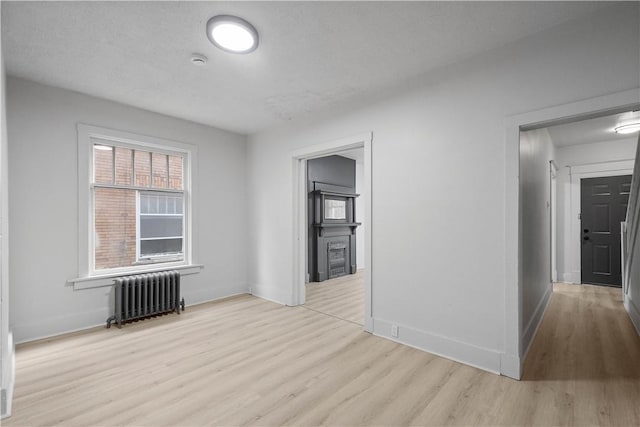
(628, 128)
(232, 34)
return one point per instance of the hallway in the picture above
(584, 364)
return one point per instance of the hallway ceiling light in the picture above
(628, 128)
(232, 34)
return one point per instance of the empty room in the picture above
(319, 213)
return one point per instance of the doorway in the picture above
(301, 272)
(335, 280)
(522, 313)
(603, 206)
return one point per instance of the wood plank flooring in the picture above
(246, 361)
(342, 297)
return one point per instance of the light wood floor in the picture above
(342, 297)
(246, 361)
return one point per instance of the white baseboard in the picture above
(634, 313)
(534, 323)
(53, 326)
(217, 299)
(368, 324)
(199, 296)
(478, 357)
(573, 277)
(6, 391)
(510, 366)
(43, 328)
(273, 296)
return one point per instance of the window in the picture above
(137, 202)
(138, 206)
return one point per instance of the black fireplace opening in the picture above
(337, 259)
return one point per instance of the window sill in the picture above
(107, 279)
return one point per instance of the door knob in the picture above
(586, 230)
(586, 237)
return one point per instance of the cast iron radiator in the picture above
(145, 295)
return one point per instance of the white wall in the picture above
(43, 206)
(360, 206)
(6, 341)
(438, 197)
(568, 228)
(631, 251)
(536, 150)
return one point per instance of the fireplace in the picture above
(333, 235)
(332, 226)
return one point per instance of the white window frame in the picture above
(88, 277)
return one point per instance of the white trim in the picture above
(634, 313)
(298, 161)
(536, 320)
(88, 318)
(510, 366)
(226, 297)
(624, 242)
(59, 325)
(272, 296)
(9, 383)
(513, 236)
(86, 135)
(100, 281)
(553, 212)
(479, 357)
(576, 174)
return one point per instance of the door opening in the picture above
(336, 271)
(341, 214)
(526, 303)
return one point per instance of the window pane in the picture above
(143, 168)
(124, 166)
(103, 164)
(115, 228)
(175, 172)
(160, 226)
(150, 248)
(160, 170)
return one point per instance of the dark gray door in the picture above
(603, 207)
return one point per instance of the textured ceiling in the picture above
(313, 56)
(599, 129)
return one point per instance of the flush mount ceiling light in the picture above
(232, 34)
(628, 128)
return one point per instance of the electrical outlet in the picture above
(394, 331)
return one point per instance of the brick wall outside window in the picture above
(115, 208)
(115, 224)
